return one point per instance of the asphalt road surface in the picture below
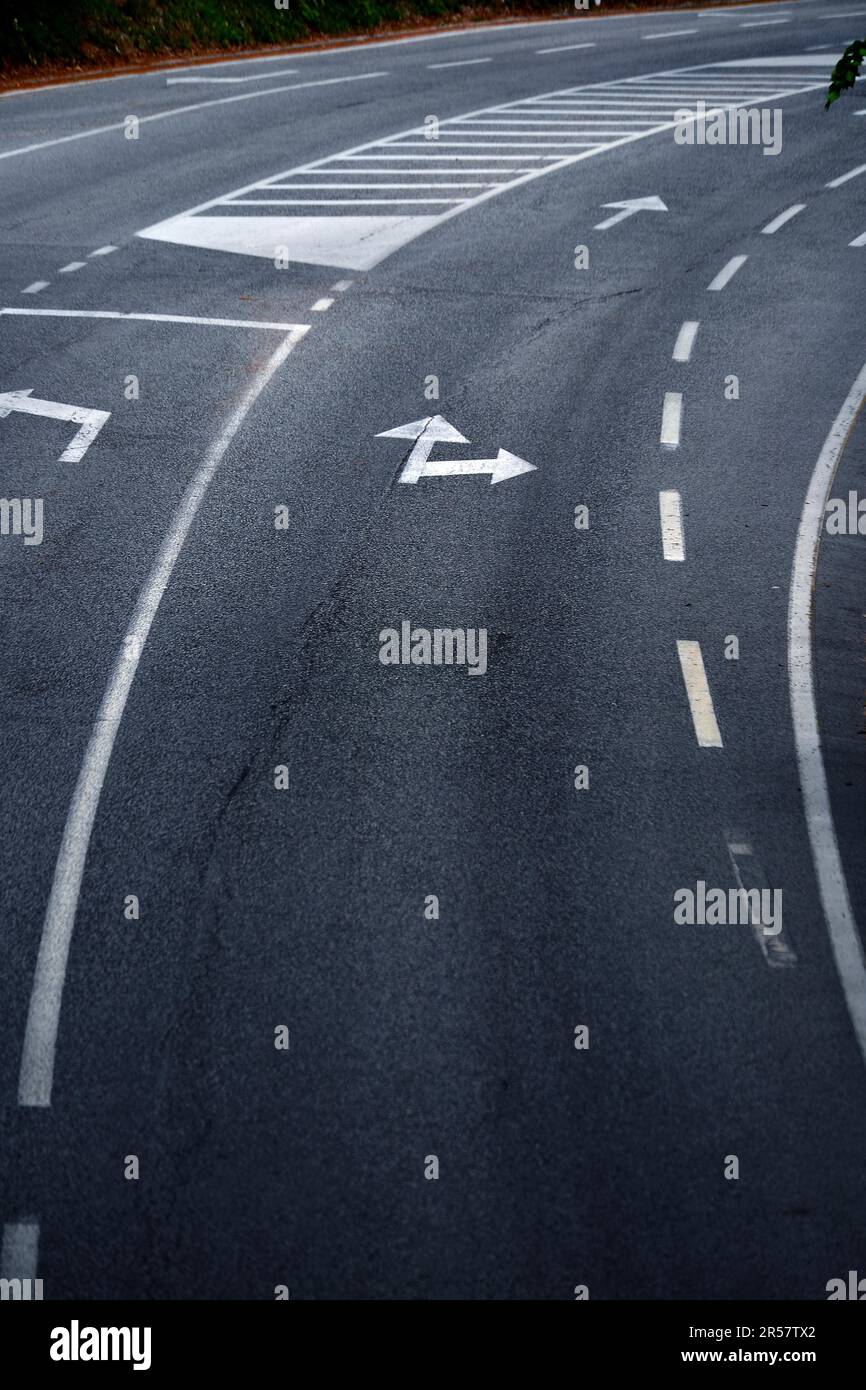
(356, 979)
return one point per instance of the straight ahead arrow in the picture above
(629, 207)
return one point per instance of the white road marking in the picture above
(342, 285)
(670, 34)
(103, 251)
(698, 692)
(782, 218)
(255, 77)
(36, 287)
(671, 516)
(90, 421)
(843, 178)
(321, 305)
(461, 63)
(184, 110)
(858, 240)
(829, 870)
(20, 1249)
(152, 318)
(629, 207)
(434, 429)
(686, 340)
(323, 187)
(565, 48)
(43, 1019)
(727, 273)
(672, 416)
(762, 23)
(73, 265)
(750, 876)
(359, 238)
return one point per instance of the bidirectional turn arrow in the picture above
(91, 421)
(629, 207)
(436, 428)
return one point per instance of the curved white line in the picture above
(43, 1017)
(184, 110)
(833, 890)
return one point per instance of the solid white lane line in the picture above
(103, 251)
(73, 265)
(671, 516)
(829, 870)
(321, 305)
(323, 188)
(672, 416)
(698, 692)
(461, 63)
(727, 273)
(20, 1249)
(154, 318)
(686, 340)
(255, 77)
(36, 287)
(670, 34)
(565, 48)
(843, 178)
(783, 217)
(858, 240)
(43, 1018)
(184, 110)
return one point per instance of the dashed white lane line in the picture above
(461, 63)
(762, 23)
(153, 318)
(685, 340)
(73, 265)
(671, 516)
(321, 305)
(858, 240)
(341, 286)
(102, 251)
(833, 889)
(184, 110)
(750, 879)
(670, 34)
(36, 287)
(698, 692)
(843, 178)
(727, 273)
(20, 1249)
(43, 1018)
(783, 217)
(672, 418)
(565, 48)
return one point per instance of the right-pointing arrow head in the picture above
(507, 465)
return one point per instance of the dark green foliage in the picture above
(33, 32)
(845, 72)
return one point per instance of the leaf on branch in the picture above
(845, 73)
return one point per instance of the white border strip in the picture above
(844, 937)
(43, 1018)
(154, 318)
